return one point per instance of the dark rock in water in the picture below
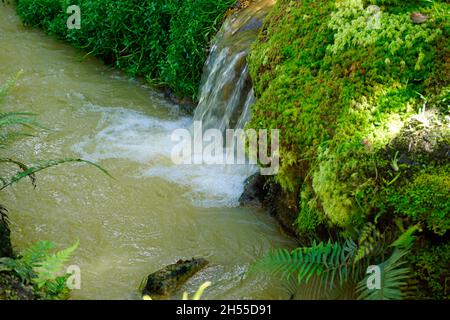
(261, 191)
(5, 240)
(170, 278)
(254, 191)
(283, 206)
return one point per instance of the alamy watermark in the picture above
(374, 278)
(234, 146)
(74, 20)
(73, 282)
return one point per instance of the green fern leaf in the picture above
(53, 263)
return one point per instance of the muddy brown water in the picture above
(153, 213)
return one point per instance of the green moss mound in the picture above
(342, 90)
(164, 40)
(361, 96)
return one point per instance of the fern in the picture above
(37, 265)
(52, 264)
(394, 276)
(330, 263)
(9, 123)
(370, 243)
(30, 171)
(407, 238)
(327, 266)
(21, 166)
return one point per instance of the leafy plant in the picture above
(41, 266)
(333, 265)
(394, 276)
(165, 41)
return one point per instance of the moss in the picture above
(432, 269)
(425, 199)
(341, 93)
(364, 119)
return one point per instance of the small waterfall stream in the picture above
(226, 93)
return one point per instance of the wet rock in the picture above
(186, 104)
(283, 206)
(254, 191)
(261, 191)
(167, 280)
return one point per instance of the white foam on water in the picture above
(127, 134)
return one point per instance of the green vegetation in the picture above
(432, 271)
(327, 266)
(39, 266)
(163, 40)
(364, 118)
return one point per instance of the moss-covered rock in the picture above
(360, 92)
(12, 288)
(341, 91)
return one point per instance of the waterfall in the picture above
(226, 93)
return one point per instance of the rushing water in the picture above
(226, 91)
(153, 212)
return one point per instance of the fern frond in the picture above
(37, 253)
(45, 165)
(394, 276)
(7, 264)
(370, 243)
(407, 238)
(329, 263)
(4, 216)
(21, 166)
(47, 269)
(9, 119)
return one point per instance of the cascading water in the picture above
(226, 93)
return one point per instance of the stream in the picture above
(153, 212)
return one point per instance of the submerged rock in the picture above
(170, 278)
